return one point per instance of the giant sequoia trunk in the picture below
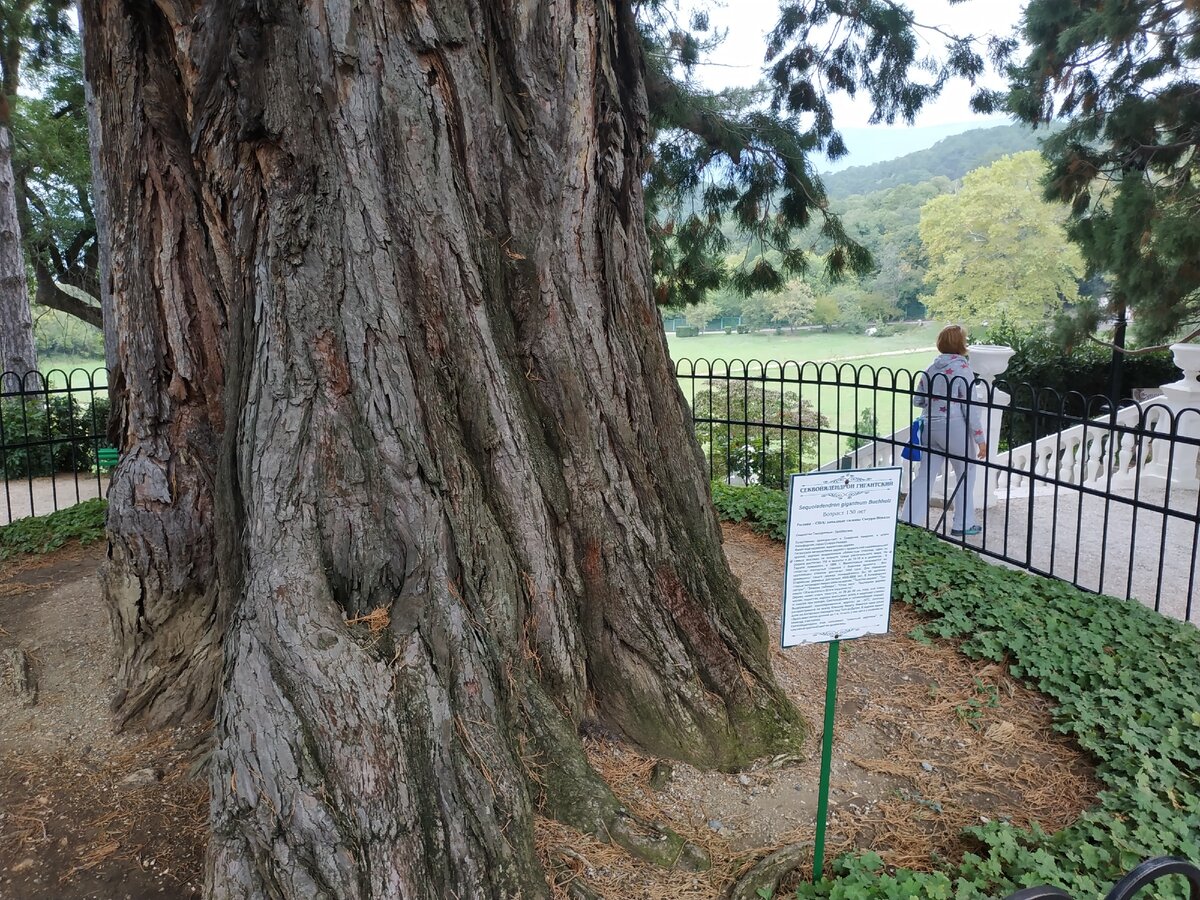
(164, 339)
(17, 352)
(459, 508)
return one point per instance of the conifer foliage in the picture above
(1124, 78)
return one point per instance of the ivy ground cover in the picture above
(1126, 682)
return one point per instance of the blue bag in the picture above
(912, 451)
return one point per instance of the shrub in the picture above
(729, 329)
(687, 331)
(40, 436)
(763, 453)
(41, 534)
(743, 329)
(866, 431)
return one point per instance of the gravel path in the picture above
(40, 496)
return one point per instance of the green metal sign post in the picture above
(826, 759)
(837, 580)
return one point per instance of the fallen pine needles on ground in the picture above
(1124, 682)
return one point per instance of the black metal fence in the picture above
(52, 440)
(1131, 885)
(1099, 494)
(1076, 487)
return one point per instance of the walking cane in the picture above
(950, 499)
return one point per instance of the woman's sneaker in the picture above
(966, 532)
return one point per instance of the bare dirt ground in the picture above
(927, 742)
(85, 813)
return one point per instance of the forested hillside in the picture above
(952, 158)
(1021, 271)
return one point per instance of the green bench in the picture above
(106, 457)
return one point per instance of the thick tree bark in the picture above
(17, 351)
(460, 510)
(168, 325)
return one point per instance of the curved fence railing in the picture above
(53, 446)
(1131, 885)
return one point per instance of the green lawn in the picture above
(816, 346)
(846, 389)
(79, 368)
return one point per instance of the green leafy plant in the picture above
(753, 433)
(1124, 680)
(865, 433)
(41, 435)
(41, 534)
(971, 712)
(763, 508)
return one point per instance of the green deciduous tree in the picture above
(792, 305)
(997, 248)
(826, 311)
(54, 187)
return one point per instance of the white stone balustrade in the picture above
(1135, 448)
(1176, 459)
(988, 362)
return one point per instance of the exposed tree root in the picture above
(766, 876)
(568, 789)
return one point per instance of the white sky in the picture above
(739, 60)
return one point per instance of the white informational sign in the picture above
(841, 541)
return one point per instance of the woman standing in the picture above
(953, 429)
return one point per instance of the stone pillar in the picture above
(1182, 397)
(989, 361)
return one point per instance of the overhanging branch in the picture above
(49, 294)
(1143, 350)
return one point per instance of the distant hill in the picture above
(952, 157)
(881, 143)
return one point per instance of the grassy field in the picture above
(803, 346)
(79, 368)
(847, 389)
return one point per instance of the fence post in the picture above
(1183, 399)
(988, 361)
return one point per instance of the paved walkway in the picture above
(39, 496)
(1111, 547)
